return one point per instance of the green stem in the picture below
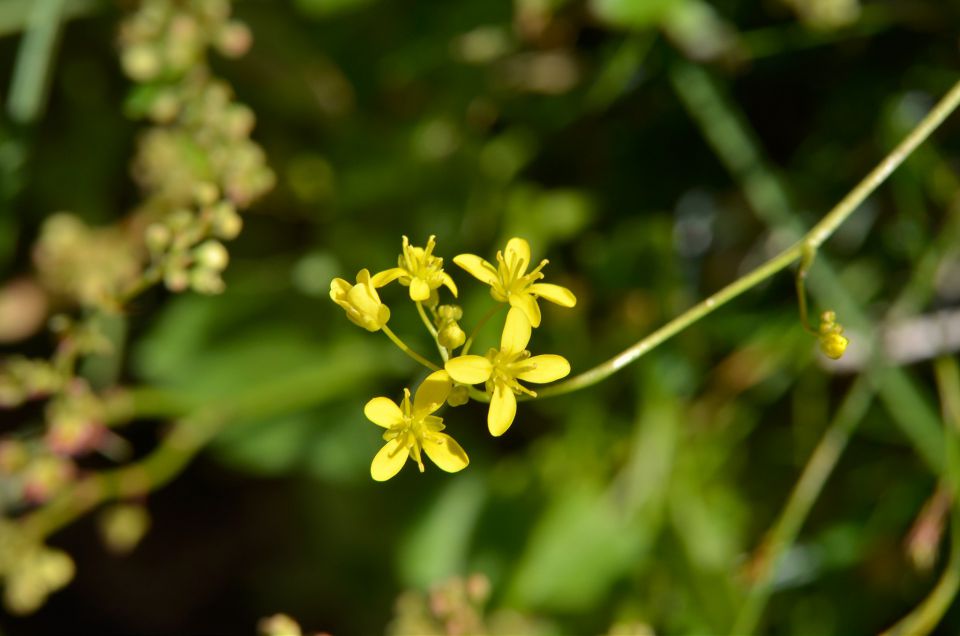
(432, 330)
(810, 241)
(487, 316)
(806, 261)
(804, 494)
(407, 350)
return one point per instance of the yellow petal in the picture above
(363, 276)
(469, 369)
(387, 276)
(388, 461)
(444, 451)
(521, 249)
(432, 393)
(546, 368)
(383, 412)
(477, 267)
(383, 317)
(527, 303)
(339, 289)
(516, 332)
(503, 408)
(554, 293)
(452, 286)
(419, 290)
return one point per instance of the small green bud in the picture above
(123, 526)
(206, 193)
(141, 62)
(225, 221)
(206, 281)
(212, 255)
(157, 237)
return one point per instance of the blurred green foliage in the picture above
(578, 125)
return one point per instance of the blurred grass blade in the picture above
(15, 14)
(31, 74)
(929, 613)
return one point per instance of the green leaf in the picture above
(438, 544)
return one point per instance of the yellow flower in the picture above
(361, 301)
(510, 282)
(412, 428)
(501, 369)
(419, 270)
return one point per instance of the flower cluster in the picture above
(197, 165)
(198, 168)
(411, 427)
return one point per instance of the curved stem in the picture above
(811, 241)
(806, 261)
(407, 350)
(487, 316)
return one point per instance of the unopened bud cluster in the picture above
(182, 250)
(85, 265)
(197, 165)
(832, 341)
(30, 571)
(198, 168)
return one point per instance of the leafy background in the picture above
(654, 151)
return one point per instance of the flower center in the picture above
(420, 262)
(511, 278)
(506, 367)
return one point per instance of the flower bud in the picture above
(212, 255)
(449, 333)
(832, 341)
(206, 281)
(225, 221)
(157, 236)
(459, 395)
(123, 526)
(360, 301)
(451, 336)
(234, 39)
(279, 625)
(141, 62)
(206, 193)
